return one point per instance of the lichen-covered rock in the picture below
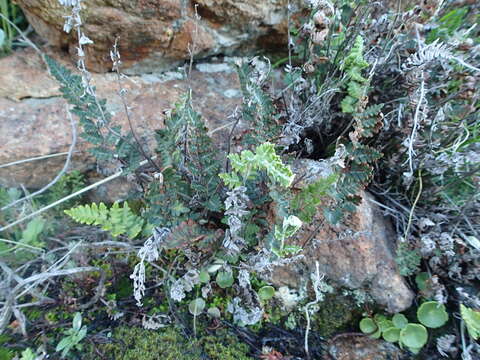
(363, 348)
(356, 254)
(159, 34)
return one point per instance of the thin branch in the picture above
(59, 175)
(7, 308)
(42, 157)
(58, 202)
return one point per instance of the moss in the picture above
(223, 346)
(336, 313)
(133, 343)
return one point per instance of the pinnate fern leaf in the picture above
(117, 220)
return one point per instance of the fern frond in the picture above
(189, 232)
(357, 85)
(257, 108)
(427, 54)
(116, 220)
(94, 119)
(89, 214)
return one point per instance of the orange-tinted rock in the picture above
(356, 254)
(158, 34)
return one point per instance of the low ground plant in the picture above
(385, 98)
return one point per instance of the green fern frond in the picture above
(191, 185)
(117, 220)
(94, 119)
(357, 85)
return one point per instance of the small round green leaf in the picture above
(376, 334)
(368, 326)
(196, 306)
(266, 292)
(432, 314)
(414, 336)
(415, 350)
(399, 321)
(224, 279)
(204, 276)
(421, 280)
(385, 324)
(214, 312)
(392, 334)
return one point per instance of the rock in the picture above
(357, 254)
(155, 35)
(34, 122)
(363, 348)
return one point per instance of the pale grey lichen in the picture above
(242, 315)
(288, 297)
(184, 285)
(244, 278)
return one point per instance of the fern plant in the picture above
(108, 141)
(258, 110)
(306, 202)
(117, 220)
(191, 186)
(247, 164)
(353, 65)
(247, 167)
(359, 157)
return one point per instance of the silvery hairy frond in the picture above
(206, 290)
(261, 70)
(446, 345)
(155, 322)
(426, 54)
(317, 4)
(263, 262)
(428, 245)
(235, 206)
(150, 251)
(468, 299)
(244, 278)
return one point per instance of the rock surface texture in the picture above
(156, 34)
(364, 348)
(356, 254)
